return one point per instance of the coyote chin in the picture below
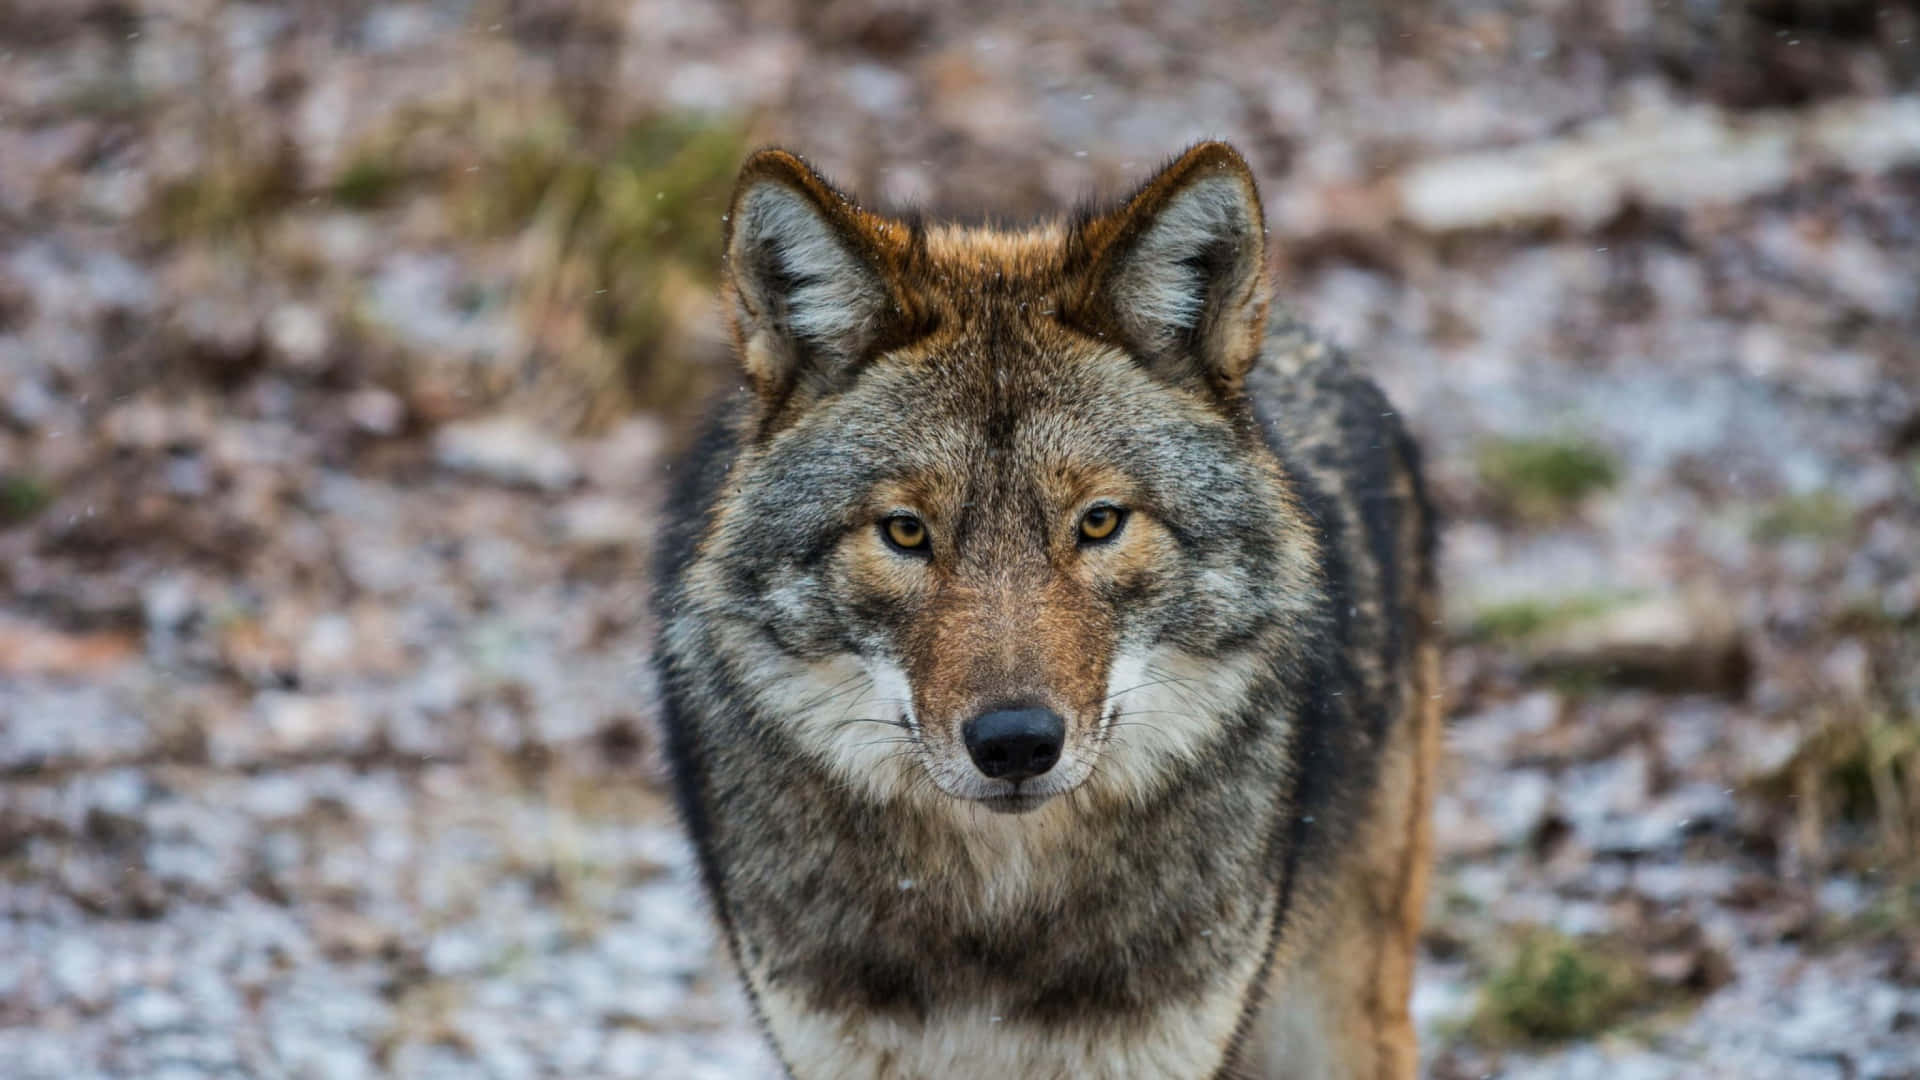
(1047, 641)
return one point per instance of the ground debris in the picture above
(342, 346)
(1670, 159)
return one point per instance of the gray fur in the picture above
(1297, 559)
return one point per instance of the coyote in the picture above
(1047, 639)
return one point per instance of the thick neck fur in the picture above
(1063, 914)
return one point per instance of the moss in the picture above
(1518, 620)
(1866, 613)
(368, 181)
(1512, 621)
(232, 196)
(108, 98)
(22, 497)
(1546, 476)
(1820, 515)
(1554, 988)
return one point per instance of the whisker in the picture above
(1136, 723)
(845, 686)
(884, 722)
(887, 742)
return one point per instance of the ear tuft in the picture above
(803, 270)
(1179, 271)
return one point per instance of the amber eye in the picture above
(905, 532)
(1100, 523)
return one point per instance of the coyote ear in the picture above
(803, 273)
(1179, 272)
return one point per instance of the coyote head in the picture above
(1001, 525)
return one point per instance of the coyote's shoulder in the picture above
(1047, 639)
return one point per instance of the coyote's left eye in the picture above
(1100, 523)
(905, 532)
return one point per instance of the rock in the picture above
(222, 333)
(346, 647)
(420, 301)
(308, 723)
(1671, 158)
(346, 935)
(376, 411)
(627, 457)
(1659, 824)
(147, 426)
(299, 337)
(1602, 800)
(326, 651)
(25, 401)
(1494, 733)
(600, 522)
(1477, 822)
(457, 951)
(1765, 749)
(167, 602)
(155, 1010)
(1848, 670)
(1685, 642)
(508, 450)
(1867, 136)
(630, 1053)
(78, 970)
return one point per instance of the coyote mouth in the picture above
(1014, 802)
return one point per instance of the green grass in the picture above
(1893, 914)
(1517, 620)
(230, 198)
(1820, 515)
(1553, 988)
(628, 229)
(22, 497)
(658, 191)
(1545, 477)
(111, 97)
(613, 231)
(368, 181)
(1853, 789)
(1864, 612)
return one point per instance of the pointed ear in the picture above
(805, 276)
(1179, 273)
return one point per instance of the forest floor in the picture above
(340, 344)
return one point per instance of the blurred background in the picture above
(340, 342)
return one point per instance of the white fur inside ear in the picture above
(798, 275)
(1164, 284)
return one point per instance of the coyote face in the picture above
(1001, 501)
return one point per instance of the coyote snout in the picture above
(1009, 687)
(1013, 757)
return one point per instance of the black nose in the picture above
(1014, 744)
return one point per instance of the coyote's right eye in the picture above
(905, 533)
